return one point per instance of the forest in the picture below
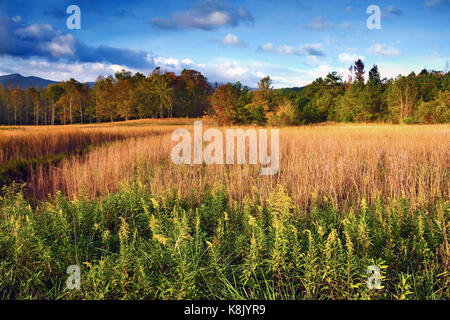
(362, 97)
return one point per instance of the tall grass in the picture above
(345, 164)
(32, 143)
(134, 245)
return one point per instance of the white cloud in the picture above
(233, 40)
(116, 68)
(187, 61)
(268, 47)
(349, 57)
(61, 45)
(59, 71)
(35, 30)
(230, 39)
(16, 19)
(216, 18)
(286, 50)
(315, 49)
(205, 15)
(392, 70)
(174, 65)
(166, 61)
(230, 70)
(384, 50)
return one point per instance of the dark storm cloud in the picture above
(43, 40)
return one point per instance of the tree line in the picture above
(421, 98)
(123, 96)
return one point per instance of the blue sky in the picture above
(292, 41)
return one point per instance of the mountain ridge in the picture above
(24, 82)
(28, 82)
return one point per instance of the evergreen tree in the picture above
(359, 71)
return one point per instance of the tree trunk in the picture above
(70, 110)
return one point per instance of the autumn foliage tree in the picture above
(161, 93)
(53, 93)
(192, 93)
(224, 102)
(264, 94)
(124, 94)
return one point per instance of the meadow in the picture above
(109, 199)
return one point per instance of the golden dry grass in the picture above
(28, 142)
(344, 163)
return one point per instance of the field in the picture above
(109, 199)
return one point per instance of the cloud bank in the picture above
(205, 15)
(43, 40)
(384, 50)
(314, 49)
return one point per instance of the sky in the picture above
(292, 41)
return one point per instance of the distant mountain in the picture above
(36, 82)
(28, 82)
(24, 82)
